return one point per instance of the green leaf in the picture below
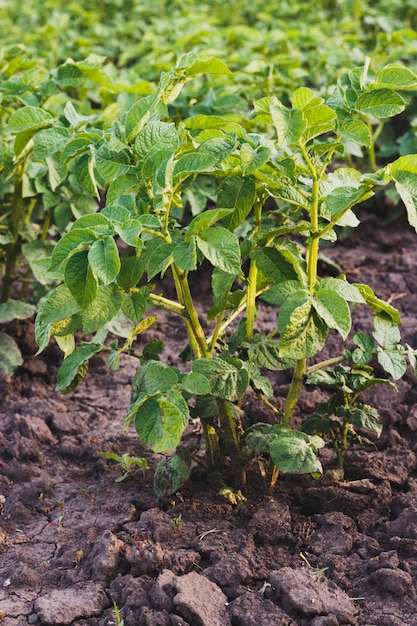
(259, 382)
(75, 240)
(289, 124)
(319, 119)
(227, 379)
(131, 272)
(15, 310)
(50, 141)
(221, 283)
(193, 65)
(170, 475)
(406, 185)
(265, 352)
(160, 259)
(333, 310)
(80, 279)
(71, 365)
(365, 416)
(104, 260)
(134, 305)
(380, 103)
(154, 145)
(365, 350)
(221, 248)
(236, 193)
(196, 384)
(103, 309)
(161, 420)
(185, 255)
(154, 377)
(58, 305)
(274, 266)
(29, 117)
(111, 164)
(143, 110)
(204, 220)
(397, 76)
(346, 290)
(10, 355)
(392, 361)
(343, 198)
(378, 305)
(386, 332)
(253, 159)
(356, 131)
(206, 158)
(130, 232)
(303, 333)
(295, 452)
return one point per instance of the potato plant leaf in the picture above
(104, 307)
(380, 103)
(70, 367)
(80, 279)
(104, 260)
(10, 355)
(170, 475)
(161, 420)
(238, 194)
(221, 248)
(227, 379)
(333, 310)
(15, 310)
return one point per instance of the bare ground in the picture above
(319, 553)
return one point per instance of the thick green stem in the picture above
(13, 248)
(212, 444)
(251, 300)
(294, 391)
(253, 278)
(231, 442)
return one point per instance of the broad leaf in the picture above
(59, 305)
(221, 248)
(80, 279)
(380, 103)
(104, 260)
(392, 361)
(378, 305)
(238, 194)
(102, 310)
(170, 475)
(154, 145)
(161, 420)
(227, 379)
(333, 310)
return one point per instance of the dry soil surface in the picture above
(319, 553)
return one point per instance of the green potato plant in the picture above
(279, 192)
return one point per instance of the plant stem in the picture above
(231, 441)
(252, 278)
(212, 443)
(13, 248)
(294, 391)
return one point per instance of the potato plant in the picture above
(279, 192)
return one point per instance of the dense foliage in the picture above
(127, 156)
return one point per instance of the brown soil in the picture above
(322, 553)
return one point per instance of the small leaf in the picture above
(365, 416)
(69, 368)
(134, 305)
(49, 141)
(378, 305)
(131, 271)
(295, 452)
(170, 475)
(75, 240)
(356, 131)
(154, 145)
(29, 117)
(386, 332)
(10, 355)
(195, 384)
(266, 353)
(206, 158)
(15, 310)
(393, 362)
(364, 352)
(341, 286)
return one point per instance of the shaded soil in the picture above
(321, 553)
